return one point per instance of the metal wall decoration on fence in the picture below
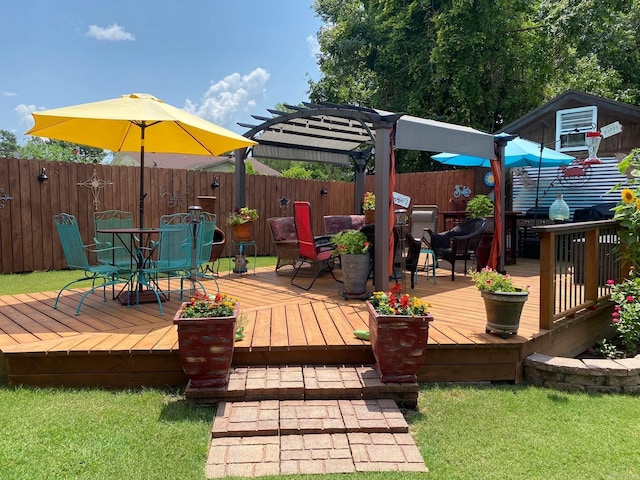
(95, 184)
(4, 198)
(175, 195)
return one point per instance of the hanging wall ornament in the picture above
(95, 184)
(173, 192)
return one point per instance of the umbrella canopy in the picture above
(137, 121)
(518, 153)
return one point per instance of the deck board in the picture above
(283, 325)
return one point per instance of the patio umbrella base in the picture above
(145, 296)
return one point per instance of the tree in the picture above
(8, 144)
(60, 151)
(478, 63)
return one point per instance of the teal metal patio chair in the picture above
(174, 258)
(123, 257)
(75, 253)
(206, 236)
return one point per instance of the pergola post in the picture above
(240, 178)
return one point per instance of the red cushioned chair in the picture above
(316, 252)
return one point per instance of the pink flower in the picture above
(617, 308)
(615, 315)
(630, 298)
(615, 320)
(611, 282)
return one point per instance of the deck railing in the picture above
(576, 260)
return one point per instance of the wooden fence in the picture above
(29, 241)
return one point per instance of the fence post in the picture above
(592, 265)
(547, 278)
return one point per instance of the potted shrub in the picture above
(241, 221)
(206, 335)
(503, 301)
(399, 331)
(369, 207)
(481, 206)
(353, 248)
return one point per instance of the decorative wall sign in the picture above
(489, 181)
(95, 184)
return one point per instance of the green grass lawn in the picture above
(500, 432)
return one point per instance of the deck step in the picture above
(313, 382)
(298, 420)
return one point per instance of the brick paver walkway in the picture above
(313, 433)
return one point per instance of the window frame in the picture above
(578, 132)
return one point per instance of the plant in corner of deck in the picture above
(369, 201)
(350, 242)
(625, 318)
(394, 302)
(242, 215)
(627, 211)
(206, 306)
(489, 280)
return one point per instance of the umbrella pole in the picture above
(142, 194)
(535, 213)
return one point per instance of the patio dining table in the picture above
(137, 241)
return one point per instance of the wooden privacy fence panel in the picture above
(29, 241)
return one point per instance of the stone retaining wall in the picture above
(588, 375)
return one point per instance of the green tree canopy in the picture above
(60, 151)
(8, 144)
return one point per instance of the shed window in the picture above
(572, 126)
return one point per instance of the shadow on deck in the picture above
(109, 345)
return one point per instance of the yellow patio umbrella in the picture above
(136, 121)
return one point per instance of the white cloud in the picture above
(24, 112)
(112, 33)
(232, 94)
(314, 47)
(8, 94)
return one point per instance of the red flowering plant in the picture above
(625, 317)
(350, 242)
(212, 305)
(394, 302)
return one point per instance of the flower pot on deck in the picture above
(503, 311)
(399, 344)
(355, 273)
(243, 232)
(206, 348)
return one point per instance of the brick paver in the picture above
(325, 431)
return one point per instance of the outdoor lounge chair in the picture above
(75, 253)
(313, 251)
(341, 223)
(283, 232)
(459, 243)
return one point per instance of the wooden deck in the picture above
(110, 345)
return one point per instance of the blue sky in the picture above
(223, 61)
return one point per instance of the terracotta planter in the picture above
(399, 344)
(206, 348)
(369, 216)
(243, 232)
(503, 311)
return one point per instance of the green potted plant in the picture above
(369, 207)
(503, 301)
(480, 206)
(206, 335)
(241, 221)
(353, 248)
(399, 332)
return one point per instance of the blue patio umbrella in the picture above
(518, 153)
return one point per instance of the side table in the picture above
(240, 259)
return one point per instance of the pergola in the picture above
(348, 134)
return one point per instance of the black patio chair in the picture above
(459, 243)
